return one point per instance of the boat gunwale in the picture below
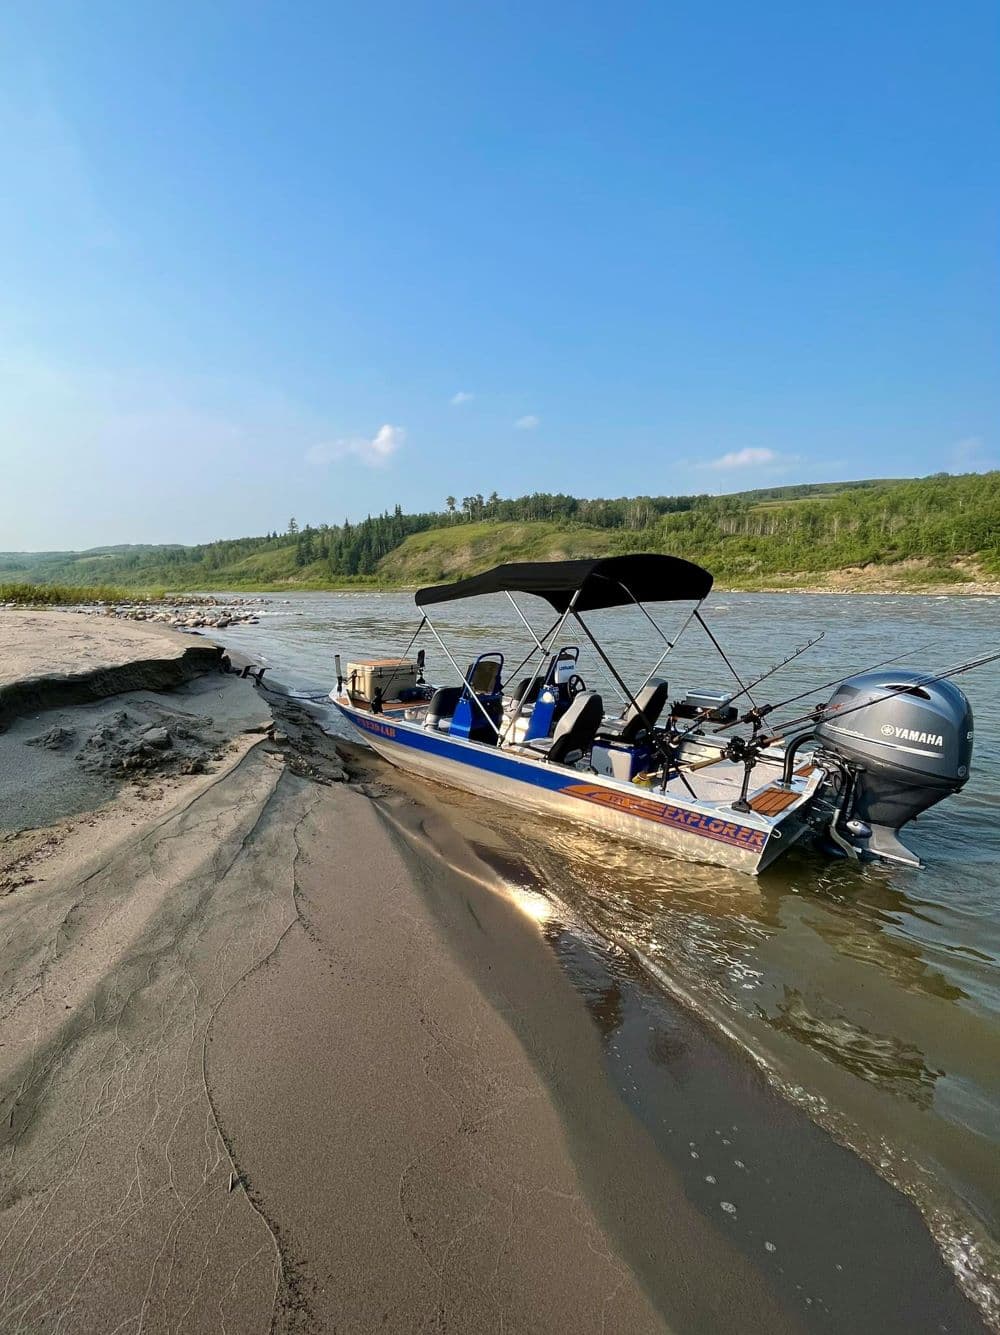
(538, 764)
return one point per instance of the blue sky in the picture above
(259, 260)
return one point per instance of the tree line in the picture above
(805, 527)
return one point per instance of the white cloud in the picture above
(528, 423)
(375, 452)
(463, 396)
(745, 458)
(384, 443)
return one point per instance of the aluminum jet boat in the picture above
(690, 774)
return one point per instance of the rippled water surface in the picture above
(872, 992)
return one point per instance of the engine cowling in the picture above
(910, 747)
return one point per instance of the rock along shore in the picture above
(200, 613)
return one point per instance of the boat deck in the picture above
(721, 783)
(717, 784)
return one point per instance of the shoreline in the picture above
(958, 1231)
(285, 1047)
(235, 604)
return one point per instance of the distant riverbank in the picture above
(938, 532)
(902, 578)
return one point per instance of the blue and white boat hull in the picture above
(702, 831)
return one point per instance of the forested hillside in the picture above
(940, 526)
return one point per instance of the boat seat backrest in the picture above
(645, 712)
(484, 676)
(578, 727)
(443, 704)
(563, 666)
(527, 692)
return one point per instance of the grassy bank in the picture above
(464, 549)
(54, 595)
(425, 563)
(24, 594)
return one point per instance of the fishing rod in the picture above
(820, 715)
(748, 752)
(761, 710)
(758, 713)
(777, 667)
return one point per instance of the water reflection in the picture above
(866, 929)
(879, 1058)
(714, 927)
(606, 1006)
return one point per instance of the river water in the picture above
(869, 994)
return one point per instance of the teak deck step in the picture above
(772, 801)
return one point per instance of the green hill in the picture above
(905, 533)
(441, 554)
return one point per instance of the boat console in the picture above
(539, 702)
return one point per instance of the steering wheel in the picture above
(575, 685)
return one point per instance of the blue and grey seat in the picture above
(482, 679)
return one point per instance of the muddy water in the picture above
(871, 993)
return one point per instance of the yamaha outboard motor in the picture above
(905, 751)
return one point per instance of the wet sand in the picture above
(283, 1053)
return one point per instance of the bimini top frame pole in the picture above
(669, 643)
(545, 649)
(531, 652)
(527, 624)
(463, 678)
(744, 689)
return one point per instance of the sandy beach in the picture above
(282, 1051)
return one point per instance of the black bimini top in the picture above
(609, 581)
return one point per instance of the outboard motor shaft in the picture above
(909, 748)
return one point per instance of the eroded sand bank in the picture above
(276, 1056)
(54, 658)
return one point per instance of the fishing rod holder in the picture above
(755, 717)
(739, 749)
(667, 750)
